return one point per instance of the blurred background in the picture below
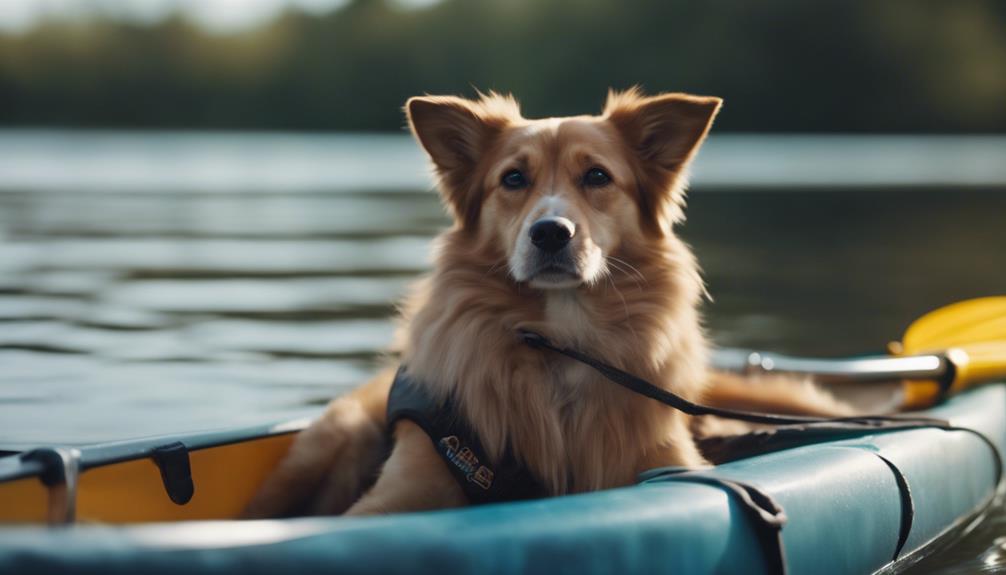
(209, 207)
(321, 65)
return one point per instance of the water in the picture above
(163, 283)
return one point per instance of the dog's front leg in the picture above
(332, 461)
(677, 450)
(414, 478)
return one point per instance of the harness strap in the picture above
(481, 479)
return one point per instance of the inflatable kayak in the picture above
(853, 503)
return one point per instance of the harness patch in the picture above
(482, 480)
(466, 461)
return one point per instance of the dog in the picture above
(563, 226)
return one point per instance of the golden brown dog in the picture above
(563, 226)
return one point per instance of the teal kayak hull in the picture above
(844, 507)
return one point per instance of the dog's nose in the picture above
(552, 234)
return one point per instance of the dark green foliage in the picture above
(827, 65)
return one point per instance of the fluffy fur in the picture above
(625, 290)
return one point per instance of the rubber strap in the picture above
(764, 512)
(907, 505)
(724, 448)
(905, 492)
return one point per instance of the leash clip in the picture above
(532, 339)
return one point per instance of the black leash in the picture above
(645, 388)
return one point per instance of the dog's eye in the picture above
(514, 180)
(596, 177)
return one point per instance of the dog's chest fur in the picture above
(568, 321)
(575, 430)
(566, 315)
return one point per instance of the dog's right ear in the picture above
(455, 132)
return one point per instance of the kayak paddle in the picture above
(943, 352)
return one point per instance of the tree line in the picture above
(781, 65)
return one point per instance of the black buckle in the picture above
(176, 473)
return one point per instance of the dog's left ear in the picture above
(667, 129)
(663, 132)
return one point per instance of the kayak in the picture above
(855, 503)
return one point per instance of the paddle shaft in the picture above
(943, 352)
(855, 370)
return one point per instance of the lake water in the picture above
(156, 283)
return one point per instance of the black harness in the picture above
(482, 480)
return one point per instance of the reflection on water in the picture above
(129, 312)
(979, 547)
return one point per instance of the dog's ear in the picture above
(665, 129)
(455, 132)
(664, 132)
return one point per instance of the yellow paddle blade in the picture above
(972, 334)
(985, 361)
(966, 322)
